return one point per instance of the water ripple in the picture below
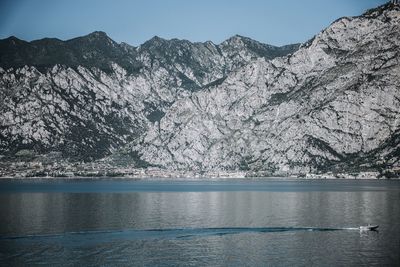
(172, 232)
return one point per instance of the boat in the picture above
(369, 227)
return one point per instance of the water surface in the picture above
(213, 223)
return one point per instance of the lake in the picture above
(199, 223)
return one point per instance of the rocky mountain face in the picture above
(332, 105)
(89, 96)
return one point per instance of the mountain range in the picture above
(331, 104)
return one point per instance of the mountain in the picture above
(93, 50)
(333, 105)
(88, 96)
(330, 105)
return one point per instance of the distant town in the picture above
(65, 169)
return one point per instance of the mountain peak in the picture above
(380, 9)
(156, 38)
(95, 38)
(13, 39)
(236, 39)
(239, 40)
(98, 34)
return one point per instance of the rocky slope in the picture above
(332, 105)
(88, 96)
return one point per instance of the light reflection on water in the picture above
(54, 212)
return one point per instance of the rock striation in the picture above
(88, 96)
(330, 105)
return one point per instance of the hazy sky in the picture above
(275, 22)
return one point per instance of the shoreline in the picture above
(179, 178)
(92, 171)
(34, 168)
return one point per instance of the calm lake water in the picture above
(192, 223)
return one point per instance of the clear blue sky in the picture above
(275, 22)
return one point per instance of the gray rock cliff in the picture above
(332, 105)
(88, 96)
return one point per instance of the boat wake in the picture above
(170, 233)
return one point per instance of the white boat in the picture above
(369, 227)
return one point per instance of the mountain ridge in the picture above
(96, 36)
(330, 105)
(121, 88)
(193, 135)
